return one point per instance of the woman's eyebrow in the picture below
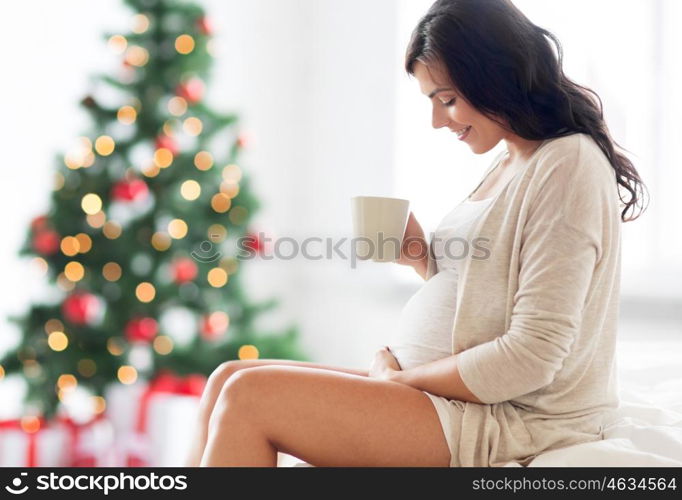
(436, 91)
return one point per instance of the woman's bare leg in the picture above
(215, 383)
(324, 417)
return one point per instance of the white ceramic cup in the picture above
(379, 225)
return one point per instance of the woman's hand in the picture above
(414, 249)
(384, 365)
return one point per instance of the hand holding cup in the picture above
(414, 247)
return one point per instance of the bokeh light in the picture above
(117, 44)
(232, 173)
(112, 230)
(140, 23)
(177, 106)
(248, 352)
(192, 126)
(217, 277)
(229, 189)
(96, 220)
(99, 404)
(74, 271)
(111, 271)
(177, 228)
(87, 367)
(126, 115)
(163, 344)
(219, 321)
(64, 283)
(40, 264)
(53, 325)
(238, 215)
(151, 170)
(190, 190)
(104, 145)
(69, 246)
(84, 242)
(91, 204)
(163, 157)
(217, 233)
(127, 374)
(145, 292)
(67, 382)
(221, 203)
(30, 424)
(184, 44)
(203, 160)
(161, 241)
(114, 346)
(58, 341)
(137, 56)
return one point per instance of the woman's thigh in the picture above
(329, 418)
(225, 370)
(250, 363)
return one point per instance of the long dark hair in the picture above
(504, 65)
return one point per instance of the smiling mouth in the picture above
(462, 132)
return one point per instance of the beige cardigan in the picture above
(536, 321)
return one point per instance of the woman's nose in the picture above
(439, 118)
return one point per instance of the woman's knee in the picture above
(217, 379)
(224, 371)
(242, 391)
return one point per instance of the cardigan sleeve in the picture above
(431, 264)
(560, 247)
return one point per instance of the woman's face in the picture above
(451, 110)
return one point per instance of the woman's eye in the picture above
(450, 102)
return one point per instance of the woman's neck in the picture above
(519, 150)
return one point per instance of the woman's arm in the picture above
(420, 267)
(413, 251)
(440, 377)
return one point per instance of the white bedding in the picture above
(639, 434)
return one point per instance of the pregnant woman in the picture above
(507, 350)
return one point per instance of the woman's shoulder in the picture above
(576, 154)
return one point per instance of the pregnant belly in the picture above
(424, 331)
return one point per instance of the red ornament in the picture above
(192, 90)
(46, 242)
(193, 384)
(141, 330)
(81, 308)
(164, 141)
(168, 381)
(130, 190)
(39, 223)
(184, 270)
(243, 140)
(205, 25)
(214, 325)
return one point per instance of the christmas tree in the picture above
(147, 228)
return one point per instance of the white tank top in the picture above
(424, 330)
